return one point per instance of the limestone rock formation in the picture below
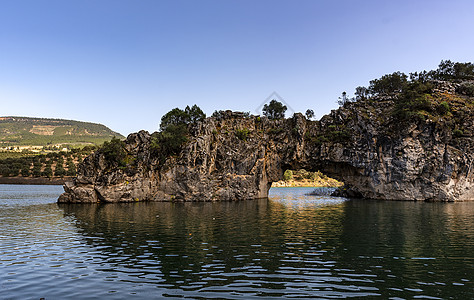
(361, 144)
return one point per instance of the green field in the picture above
(23, 131)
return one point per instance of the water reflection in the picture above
(317, 246)
(291, 245)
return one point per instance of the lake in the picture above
(291, 245)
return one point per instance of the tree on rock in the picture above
(179, 117)
(174, 129)
(274, 110)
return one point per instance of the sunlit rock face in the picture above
(361, 144)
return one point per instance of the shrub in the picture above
(309, 114)
(288, 175)
(275, 130)
(443, 108)
(466, 88)
(242, 134)
(457, 132)
(415, 98)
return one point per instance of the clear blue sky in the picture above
(125, 63)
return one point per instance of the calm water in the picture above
(290, 246)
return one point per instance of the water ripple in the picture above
(290, 246)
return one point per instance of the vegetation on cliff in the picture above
(274, 110)
(443, 97)
(174, 130)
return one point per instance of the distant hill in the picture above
(22, 131)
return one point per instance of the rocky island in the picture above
(398, 139)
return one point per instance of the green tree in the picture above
(309, 114)
(361, 93)
(114, 152)
(176, 116)
(36, 170)
(413, 100)
(288, 175)
(174, 131)
(25, 171)
(448, 70)
(195, 114)
(388, 84)
(71, 169)
(5, 170)
(274, 110)
(47, 172)
(344, 99)
(59, 171)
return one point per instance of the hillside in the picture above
(23, 131)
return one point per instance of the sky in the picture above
(125, 63)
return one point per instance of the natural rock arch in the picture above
(354, 144)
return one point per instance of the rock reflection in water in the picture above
(206, 244)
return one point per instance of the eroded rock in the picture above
(359, 144)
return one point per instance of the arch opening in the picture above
(302, 177)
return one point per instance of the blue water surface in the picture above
(291, 245)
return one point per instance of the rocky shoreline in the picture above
(34, 180)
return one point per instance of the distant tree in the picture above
(218, 114)
(48, 172)
(36, 170)
(274, 110)
(25, 171)
(71, 169)
(288, 175)
(59, 171)
(4, 170)
(309, 114)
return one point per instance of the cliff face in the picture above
(235, 157)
